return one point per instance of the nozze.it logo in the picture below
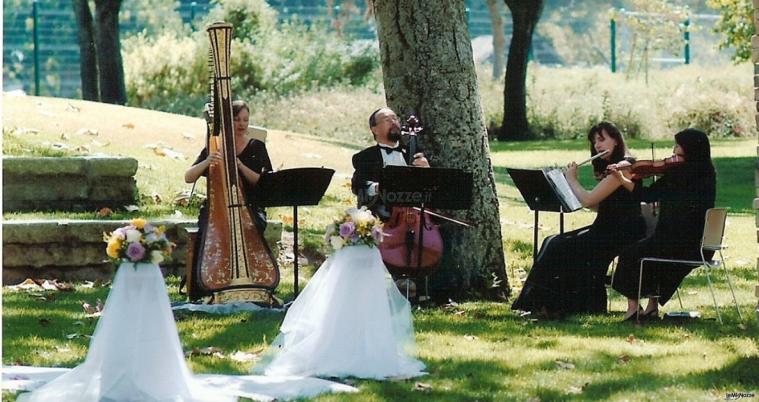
(395, 197)
(732, 396)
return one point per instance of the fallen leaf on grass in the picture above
(88, 131)
(208, 351)
(91, 311)
(27, 284)
(630, 339)
(104, 212)
(42, 297)
(422, 386)
(564, 365)
(450, 304)
(574, 390)
(241, 356)
(128, 125)
(624, 359)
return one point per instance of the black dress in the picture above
(683, 200)
(256, 158)
(569, 272)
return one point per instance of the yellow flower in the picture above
(113, 248)
(139, 223)
(160, 230)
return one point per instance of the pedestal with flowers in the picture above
(135, 353)
(350, 319)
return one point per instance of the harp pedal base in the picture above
(261, 297)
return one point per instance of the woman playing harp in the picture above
(252, 161)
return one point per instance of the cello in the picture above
(234, 262)
(412, 245)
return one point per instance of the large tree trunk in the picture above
(525, 15)
(110, 65)
(499, 38)
(88, 70)
(428, 68)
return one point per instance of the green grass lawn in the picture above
(473, 350)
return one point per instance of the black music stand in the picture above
(292, 187)
(441, 188)
(539, 196)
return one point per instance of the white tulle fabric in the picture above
(349, 321)
(134, 354)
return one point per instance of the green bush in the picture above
(266, 58)
(566, 102)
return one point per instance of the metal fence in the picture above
(41, 52)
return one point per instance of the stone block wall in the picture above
(74, 250)
(68, 184)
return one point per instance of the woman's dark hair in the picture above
(238, 106)
(620, 152)
(698, 154)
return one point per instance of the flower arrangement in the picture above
(356, 227)
(138, 242)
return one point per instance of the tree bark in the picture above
(499, 39)
(525, 15)
(110, 64)
(88, 70)
(428, 69)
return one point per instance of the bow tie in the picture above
(390, 150)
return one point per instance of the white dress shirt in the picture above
(394, 158)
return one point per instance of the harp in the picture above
(233, 261)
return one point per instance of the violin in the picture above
(647, 168)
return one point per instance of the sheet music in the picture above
(562, 189)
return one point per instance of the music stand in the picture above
(410, 186)
(292, 187)
(539, 196)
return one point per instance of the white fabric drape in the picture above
(349, 321)
(134, 354)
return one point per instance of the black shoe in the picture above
(634, 316)
(652, 315)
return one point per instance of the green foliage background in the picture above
(267, 58)
(736, 26)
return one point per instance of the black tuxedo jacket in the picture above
(367, 166)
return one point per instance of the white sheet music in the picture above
(562, 189)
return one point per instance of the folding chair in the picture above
(712, 240)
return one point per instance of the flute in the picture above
(598, 155)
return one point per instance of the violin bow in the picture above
(460, 222)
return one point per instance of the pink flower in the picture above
(135, 251)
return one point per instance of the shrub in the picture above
(266, 58)
(566, 102)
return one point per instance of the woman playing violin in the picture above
(569, 272)
(685, 191)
